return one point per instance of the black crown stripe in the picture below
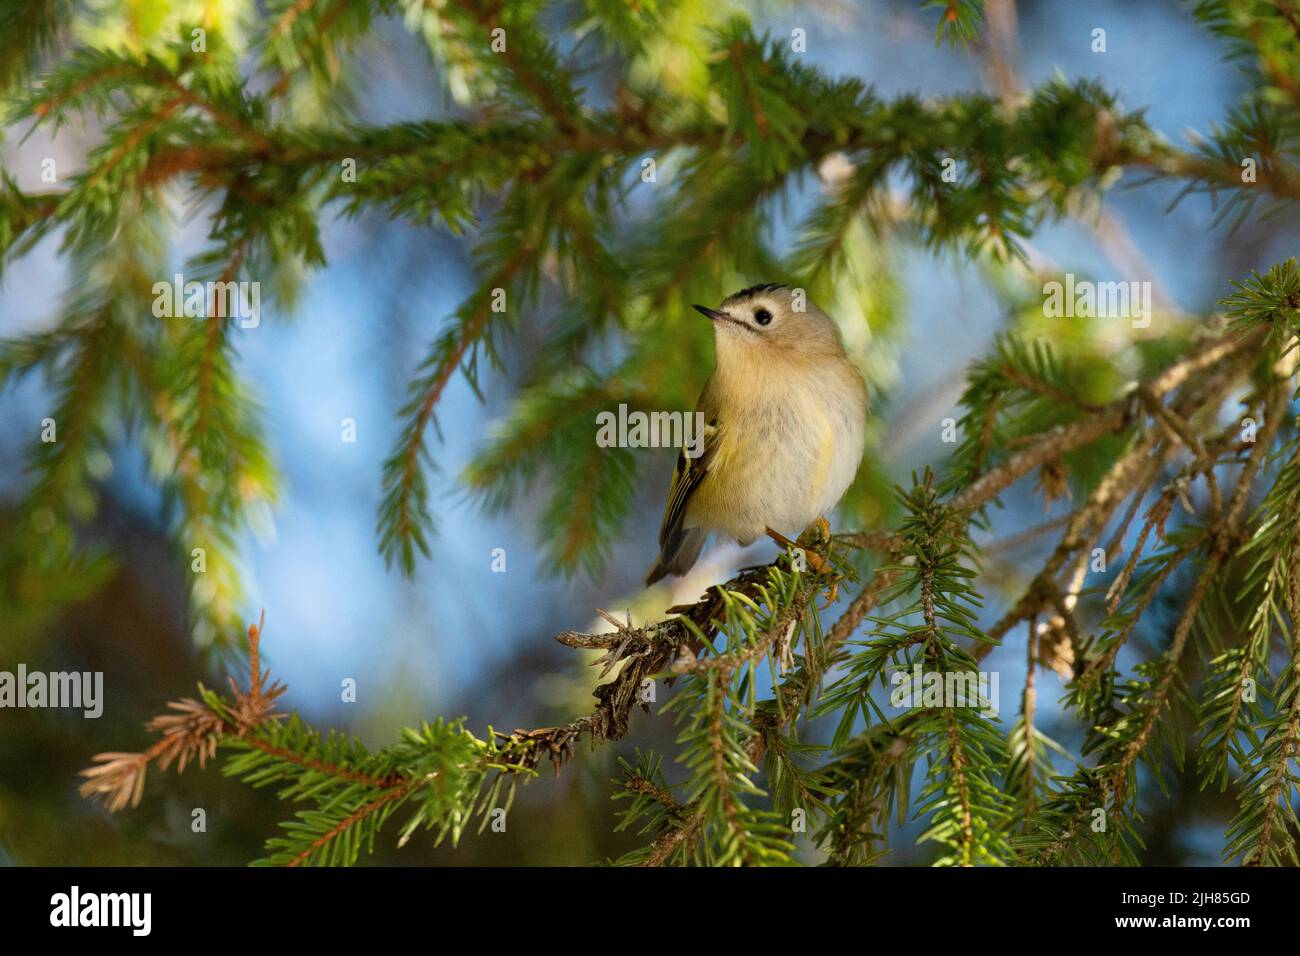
(754, 290)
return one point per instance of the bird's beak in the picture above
(708, 313)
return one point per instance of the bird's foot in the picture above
(818, 535)
(816, 563)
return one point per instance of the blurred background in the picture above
(459, 638)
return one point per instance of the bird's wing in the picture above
(690, 473)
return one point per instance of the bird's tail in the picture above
(678, 555)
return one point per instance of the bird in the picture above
(784, 417)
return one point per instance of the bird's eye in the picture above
(763, 317)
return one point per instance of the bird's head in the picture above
(766, 322)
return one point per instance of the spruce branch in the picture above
(190, 734)
(1146, 700)
(1264, 830)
